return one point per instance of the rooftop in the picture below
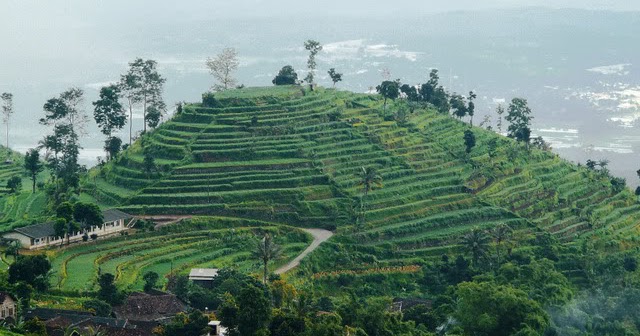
(203, 273)
(46, 229)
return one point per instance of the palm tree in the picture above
(501, 234)
(369, 179)
(267, 250)
(476, 243)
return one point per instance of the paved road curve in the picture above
(319, 236)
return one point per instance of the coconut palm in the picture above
(267, 250)
(501, 233)
(476, 243)
(369, 179)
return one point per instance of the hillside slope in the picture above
(288, 156)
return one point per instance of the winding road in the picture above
(319, 236)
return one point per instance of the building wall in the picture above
(107, 229)
(8, 309)
(24, 240)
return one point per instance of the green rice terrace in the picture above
(21, 209)
(293, 157)
(211, 242)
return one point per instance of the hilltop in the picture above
(295, 157)
(417, 216)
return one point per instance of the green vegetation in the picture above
(424, 206)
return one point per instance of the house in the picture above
(203, 276)
(154, 306)
(57, 320)
(8, 307)
(43, 235)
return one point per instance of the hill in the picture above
(289, 156)
(25, 207)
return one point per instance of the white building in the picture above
(43, 235)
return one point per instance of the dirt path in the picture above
(164, 220)
(319, 236)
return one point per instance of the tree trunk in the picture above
(144, 115)
(33, 179)
(264, 276)
(130, 122)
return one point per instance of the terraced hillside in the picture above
(285, 156)
(17, 210)
(211, 242)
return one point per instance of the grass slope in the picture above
(287, 156)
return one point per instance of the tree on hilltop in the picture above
(110, 116)
(519, 117)
(471, 106)
(142, 84)
(458, 106)
(314, 47)
(388, 90)
(66, 115)
(33, 166)
(286, 76)
(335, 76)
(222, 68)
(7, 111)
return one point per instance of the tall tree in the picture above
(335, 76)
(369, 180)
(67, 117)
(286, 76)
(388, 90)
(471, 106)
(87, 214)
(33, 166)
(476, 243)
(222, 68)
(7, 111)
(109, 114)
(469, 140)
(142, 84)
(519, 117)
(501, 234)
(458, 106)
(499, 112)
(314, 47)
(267, 250)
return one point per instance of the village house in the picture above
(7, 307)
(203, 276)
(152, 306)
(43, 235)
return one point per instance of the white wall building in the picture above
(43, 235)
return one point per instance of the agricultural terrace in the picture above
(292, 156)
(212, 242)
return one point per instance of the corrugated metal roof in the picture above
(199, 273)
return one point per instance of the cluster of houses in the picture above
(139, 315)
